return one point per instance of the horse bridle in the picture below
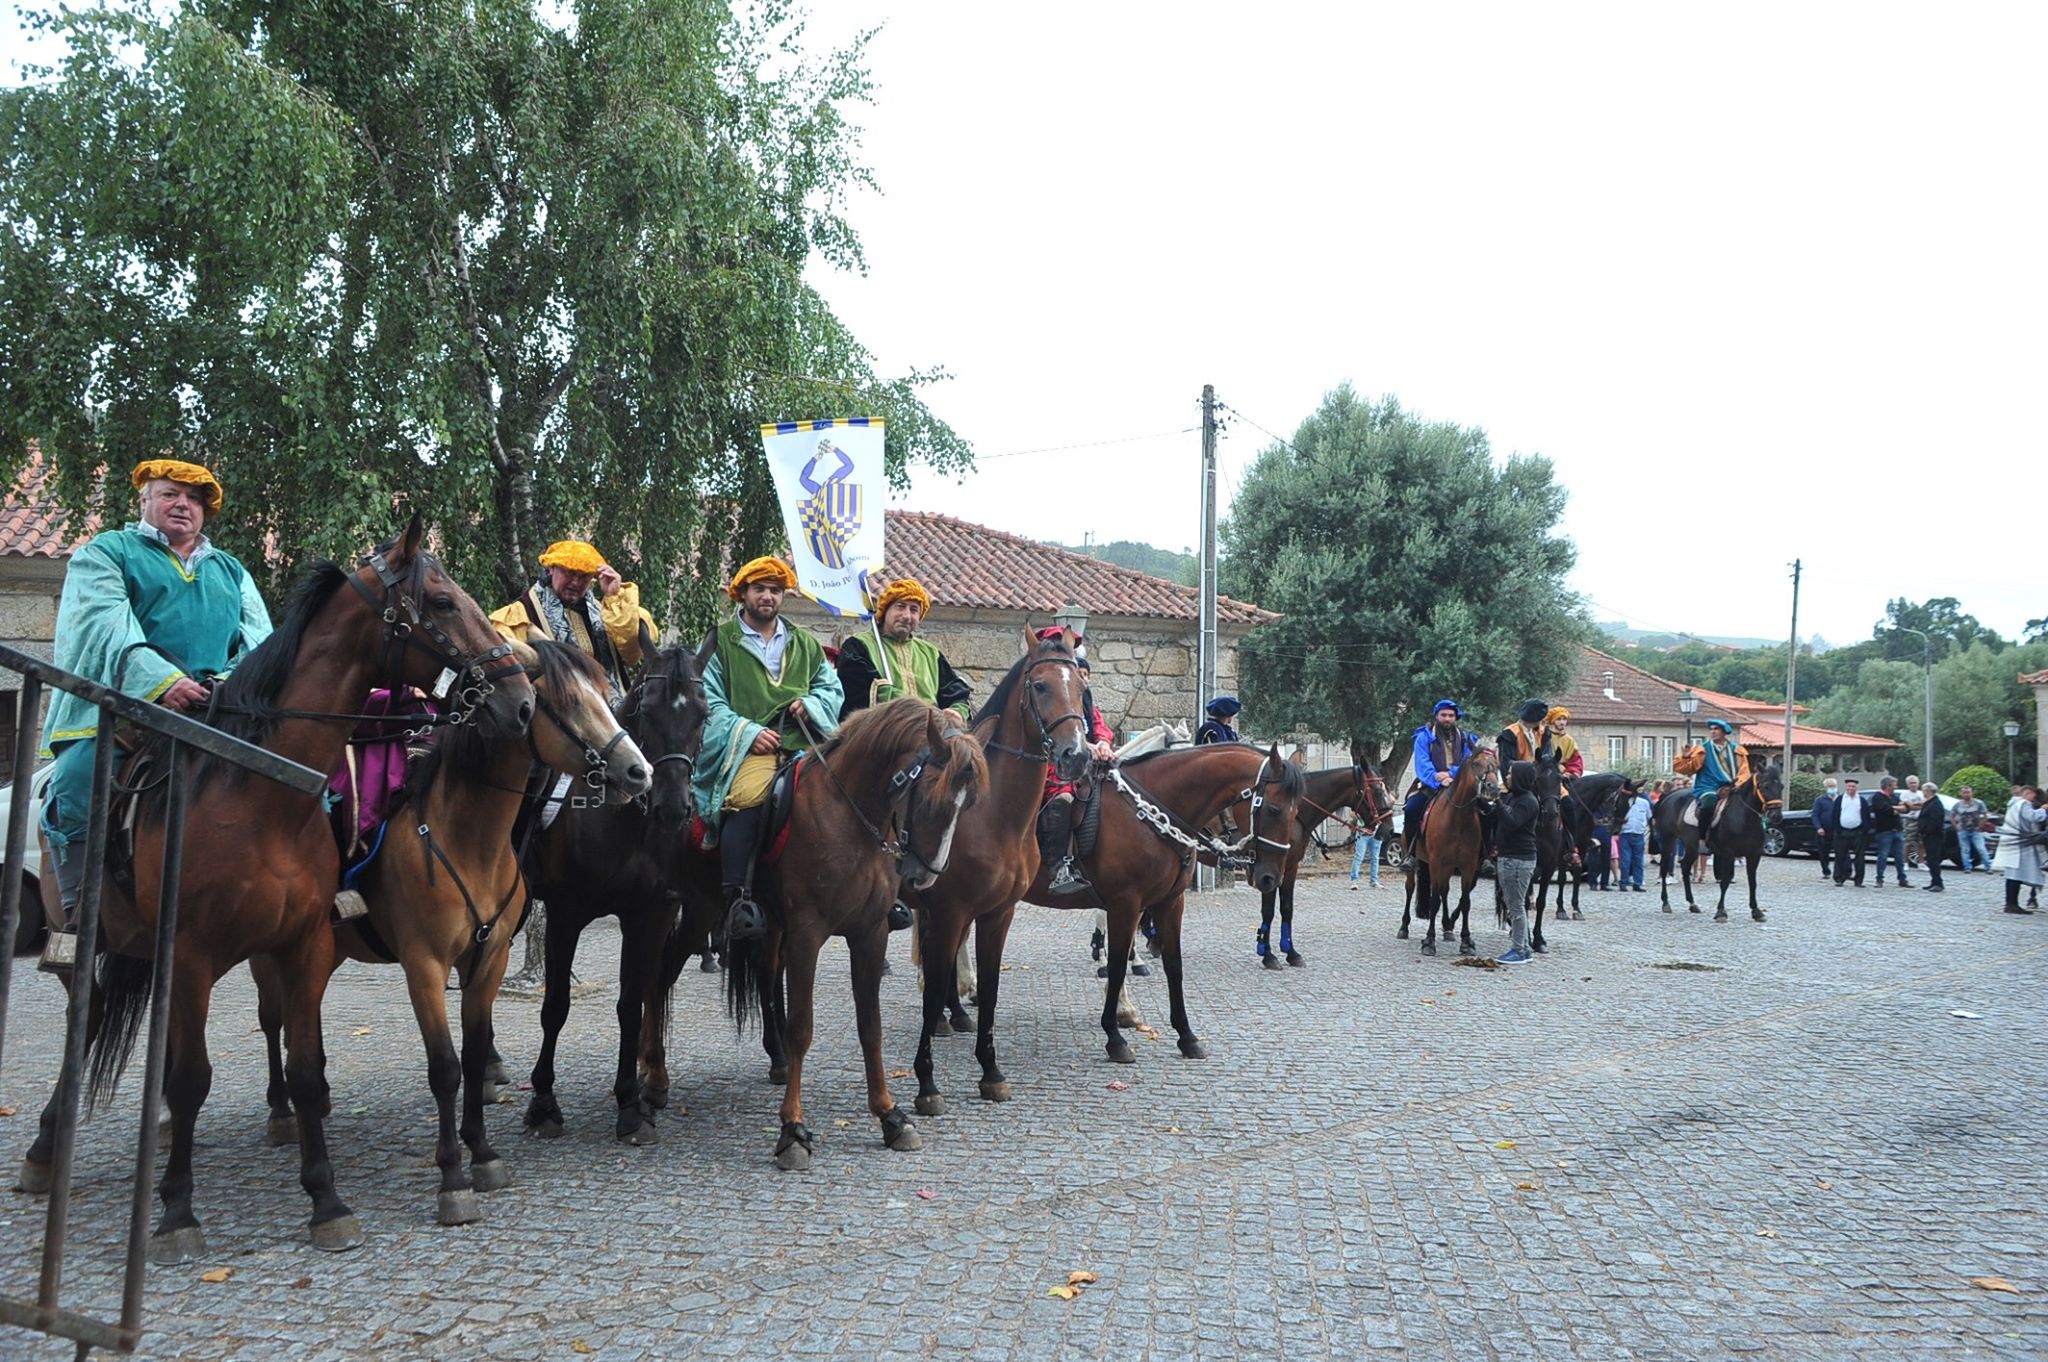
(400, 633)
(901, 786)
(596, 760)
(1045, 728)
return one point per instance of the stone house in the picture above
(989, 587)
(35, 545)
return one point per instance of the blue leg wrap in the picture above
(1286, 938)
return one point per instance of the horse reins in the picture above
(1045, 729)
(901, 786)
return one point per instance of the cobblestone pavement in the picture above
(1669, 1138)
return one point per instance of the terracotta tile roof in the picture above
(1771, 735)
(2039, 678)
(32, 525)
(1638, 697)
(963, 564)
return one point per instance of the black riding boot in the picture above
(744, 920)
(1055, 833)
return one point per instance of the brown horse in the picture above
(1326, 794)
(875, 805)
(1450, 844)
(260, 866)
(445, 893)
(1032, 717)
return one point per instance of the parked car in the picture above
(1792, 830)
(28, 932)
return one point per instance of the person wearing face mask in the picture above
(1823, 825)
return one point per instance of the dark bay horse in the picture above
(1582, 804)
(1738, 831)
(875, 805)
(631, 861)
(1154, 808)
(445, 893)
(1325, 795)
(1030, 719)
(261, 865)
(1448, 844)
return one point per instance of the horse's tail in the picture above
(746, 969)
(123, 984)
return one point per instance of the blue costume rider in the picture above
(1713, 766)
(1441, 747)
(1216, 728)
(154, 611)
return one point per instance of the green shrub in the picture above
(1802, 789)
(1990, 786)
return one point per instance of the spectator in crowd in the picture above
(1933, 823)
(1823, 823)
(1887, 832)
(1517, 865)
(1366, 853)
(1911, 800)
(1850, 832)
(2025, 819)
(1599, 859)
(1635, 830)
(1967, 816)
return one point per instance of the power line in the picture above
(1088, 444)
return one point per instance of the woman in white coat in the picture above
(2019, 846)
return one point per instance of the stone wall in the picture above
(29, 591)
(1141, 671)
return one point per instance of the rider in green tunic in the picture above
(193, 610)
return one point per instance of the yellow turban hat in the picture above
(762, 570)
(177, 470)
(1557, 712)
(572, 555)
(904, 589)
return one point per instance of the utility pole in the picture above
(1205, 625)
(1791, 677)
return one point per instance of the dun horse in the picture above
(1738, 831)
(260, 866)
(630, 861)
(875, 805)
(445, 892)
(1449, 843)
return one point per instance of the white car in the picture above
(29, 929)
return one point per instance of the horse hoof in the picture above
(1401, 935)
(639, 1134)
(281, 1131)
(1756, 915)
(1466, 950)
(794, 1159)
(1721, 916)
(488, 1092)
(931, 1104)
(1296, 959)
(490, 1176)
(35, 1178)
(547, 1128)
(1269, 962)
(496, 1072)
(1120, 1052)
(1578, 916)
(169, 1247)
(1429, 948)
(458, 1208)
(1692, 907)
(657, 1098)
(338, 1235)
(1667, 907)
(904, 1139)
(1192, 1048)
(778, 1074)
(998, 1091)
(963, 1024)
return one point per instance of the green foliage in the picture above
(1941, 619)
(1408, 567)
(1184, 568)
(1802, 788)
(1975, 692)
(1990, 786)
(536, 271)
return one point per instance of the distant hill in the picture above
(1184, 568)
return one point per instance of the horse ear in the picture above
(935, 736)
(1273, 753)
(706, 649)
(408, 546)
(648, 644)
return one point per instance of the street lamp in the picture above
(1927, 664)
(2012, 731)
(1688, 705)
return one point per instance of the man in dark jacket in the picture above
(1933, 819)
(1887, 832)
(1851, 829)
(1823, 827)
(1516, 828)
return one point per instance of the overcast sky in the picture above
(1762, 281)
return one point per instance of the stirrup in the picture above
(1066, 879)
(744, 920)
(899, 916)
(60, 954)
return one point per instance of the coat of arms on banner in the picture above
(831, 514)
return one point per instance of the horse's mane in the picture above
(999, 698)
(874, 736)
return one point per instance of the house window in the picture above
(1617, 752)
(1670, 750)
(1649, 749)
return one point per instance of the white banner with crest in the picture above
(830, 482)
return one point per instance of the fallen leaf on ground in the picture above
(1140, 1028)
(579, 1346)
(927, 1194)
(1994, 1284)
(1823, 1185)
(1503, 1144)
(1767, 1234)
(1065, 1293)
(1525, 1186)
(842, 1124)
(219, 1274)
(1081, 1278)
(899, 1073)
(1473, 962)
(360, 1031)
(1562, 1164)
(1429, 1002)
(302, 1283)
(1169, 1130)
(1117, 1085)
(365, 1111)
(6, 1111)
